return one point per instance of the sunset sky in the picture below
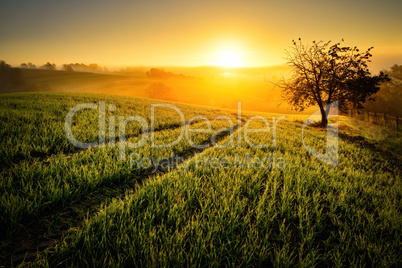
(191, 33)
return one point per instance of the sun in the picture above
(228, 58)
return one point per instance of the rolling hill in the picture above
(211, 198)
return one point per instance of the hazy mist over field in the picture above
(212, 86)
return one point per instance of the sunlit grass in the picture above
(305, 213)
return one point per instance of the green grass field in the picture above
(70, 207)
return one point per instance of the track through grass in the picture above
(89, 208)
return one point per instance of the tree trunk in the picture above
(324, 119)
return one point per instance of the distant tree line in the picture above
(28, 65)
(160, 73)
(49, 66)
(388, 99)
(81, 67)
(46, 66)
(71, 67)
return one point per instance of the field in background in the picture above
(211, 86)
(72, 207)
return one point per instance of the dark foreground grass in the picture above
(296, 211)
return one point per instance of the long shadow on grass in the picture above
(47, 228)
(391, 157)
(38, 156)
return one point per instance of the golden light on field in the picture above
(228, 58)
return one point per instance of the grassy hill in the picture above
(56, 78)
(65, 206)
(62, 81)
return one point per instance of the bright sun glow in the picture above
(228, 58)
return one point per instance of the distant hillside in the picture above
(48, 80)
(207, 85)
(55, 78)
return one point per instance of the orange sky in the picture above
(192, 33)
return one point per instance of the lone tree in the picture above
(322, 73)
